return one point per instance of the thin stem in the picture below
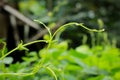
(15, 74)
(92, 39)
(52, 72)
(3, 51)
(45, 55)
(48, 29)
(8, 53)
(62, 28)
(35, 42)
(3, 65)
(78, 24)
(93, 30)
(23, 46)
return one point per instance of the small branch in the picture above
(43, 32)
(17, 14)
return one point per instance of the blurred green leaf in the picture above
(7, 60)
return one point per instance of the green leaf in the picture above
(84, 49)
(73, 67)
(7, 60)
(77, 54)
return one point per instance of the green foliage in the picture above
(32, 64)
(57, 62)
(82, 63)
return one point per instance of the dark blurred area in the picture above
(16, 26)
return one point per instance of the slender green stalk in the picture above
(77, 24)
(3, 65)
(3, 51)
(21, 45)
(53, 73)
(45, 27)
(35, 42)
(101, 25)
(49, 41)
(60, 28)
(15, 74)
(92, 39)
(49, 44)
(9, 53)
(93, 30)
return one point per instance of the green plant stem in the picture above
(53, 73)
(22, 46)
(8, 53)
(92, 39)
(93, 30)
(3, 65)
(48, 29)
(45, 56)
(3, 51)
(77, 24)
(35, 42)
(15, 74)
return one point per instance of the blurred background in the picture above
(16, 20)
